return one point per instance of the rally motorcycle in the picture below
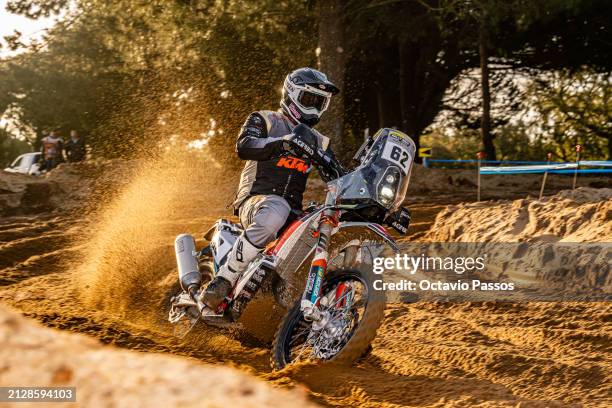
(320, 267)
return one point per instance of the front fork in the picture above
(318, 267)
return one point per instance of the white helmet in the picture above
(306, 95)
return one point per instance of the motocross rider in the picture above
(274, 177)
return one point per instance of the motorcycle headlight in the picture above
(386, 194)
(387, 188)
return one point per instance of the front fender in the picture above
(376, 228)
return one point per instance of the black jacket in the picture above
(267, 171)
(75, 150)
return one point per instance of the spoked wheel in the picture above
(351, 310)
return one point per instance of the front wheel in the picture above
(352, 312)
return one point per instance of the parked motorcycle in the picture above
(320, 267)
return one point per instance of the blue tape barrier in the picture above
(486, 161)
(580, 171)
(595, 163)
(530, 169)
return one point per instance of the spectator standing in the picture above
(75, 148)
(52, 147)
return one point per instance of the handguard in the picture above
(301, 142)
(399, 220)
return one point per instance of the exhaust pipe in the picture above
(187, 263)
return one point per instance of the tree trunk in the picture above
(403, 84)
(380, 104)
(407, 125)
(609, 147)
(331, 53)
(485, 123)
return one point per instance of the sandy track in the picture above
(108, 277)
(426, 354)
(146, 379)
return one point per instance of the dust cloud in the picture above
(128, 264)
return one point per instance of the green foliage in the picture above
(132, 74)
(36, 8)
(10, 148)
(65, 86)
(559, 110)
(574, 108)
(514, 143)
(462, 146)
(405, 55)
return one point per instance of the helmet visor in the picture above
(311, 100)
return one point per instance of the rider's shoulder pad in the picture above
(269, 117)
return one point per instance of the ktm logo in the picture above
(293, 163)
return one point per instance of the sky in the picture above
(30, 29)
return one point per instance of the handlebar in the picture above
(327, 163)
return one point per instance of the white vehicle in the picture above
(26, 164)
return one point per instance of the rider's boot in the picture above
(237, 262)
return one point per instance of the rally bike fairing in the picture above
(363, 198)
(382, 177)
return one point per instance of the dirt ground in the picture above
(63, 359)
(105, 271)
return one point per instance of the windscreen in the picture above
(17, 162)
(383, 175)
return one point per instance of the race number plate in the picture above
(398, 154)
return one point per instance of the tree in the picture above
(170, 69)
(408, 44)
(485, 126)
(67, 85)
(11, 147)
(574, 108)
(519, 41)
(158, 69)
(332, 61)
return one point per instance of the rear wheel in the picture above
(352, 312)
